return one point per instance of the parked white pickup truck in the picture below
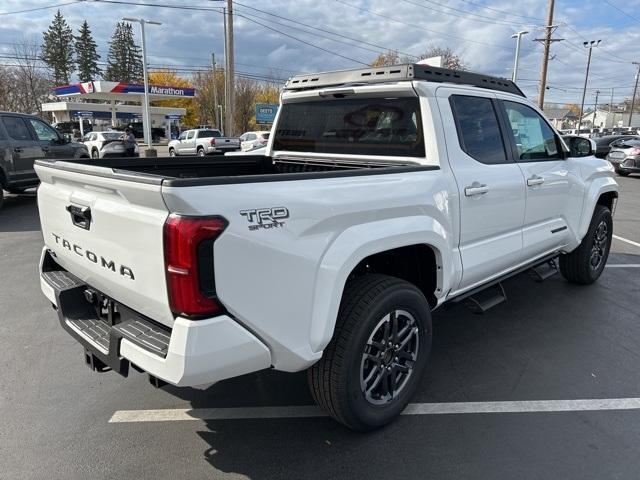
(385, 193)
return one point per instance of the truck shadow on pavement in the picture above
(551, 340)
(19, 213)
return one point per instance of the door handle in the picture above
(46, 149)
(475, 189)
(535, 180)
(17, 149)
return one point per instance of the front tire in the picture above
(172, 152)
(94, 154)
(377, 355)
(585, 264)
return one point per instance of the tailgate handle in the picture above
(80, 216)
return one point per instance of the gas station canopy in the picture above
(120, 91)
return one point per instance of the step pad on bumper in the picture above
(100, 323)
(146, 335)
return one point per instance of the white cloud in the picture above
(481, 36)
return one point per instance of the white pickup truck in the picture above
(385, 193)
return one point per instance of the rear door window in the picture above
(478, 129)
(354, 126)
(16, 128)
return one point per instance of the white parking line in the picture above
(630, 242)
(530, 406)
(623, 265)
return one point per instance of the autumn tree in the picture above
(172, 79)
(392, 57)
(58, 49)
(450, 59)
(573, 108)
(210, 94)
(86, 55)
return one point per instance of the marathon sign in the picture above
(174, 92)
(100, 88)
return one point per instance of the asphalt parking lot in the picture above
(550, 341)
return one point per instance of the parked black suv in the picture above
(23, 139)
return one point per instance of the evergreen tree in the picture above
(57, 49)
(124, 62)
(86, 55)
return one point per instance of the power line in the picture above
(321, 36)
(378, 14)
(331, 32)
(504, 12)
(466, 14)
(622, 11)
(300, 40)
(57, 5)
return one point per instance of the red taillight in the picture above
(188, 249)
(635, 151)
(213, 142)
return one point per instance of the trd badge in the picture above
(265, 217)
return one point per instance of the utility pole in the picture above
(517, 36)
(215, 93)
(635, 88)
(223, 119)
(230, 69)
(545, 58)
(589, 45)
(595, 109)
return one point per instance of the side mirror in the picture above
(581, 147)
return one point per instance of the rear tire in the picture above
(1, 197)
(368, 373)
(95, 154)
(201, 152)
(585, 264)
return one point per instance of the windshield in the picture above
(362, 126)
(208, 133)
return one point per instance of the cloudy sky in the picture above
(277, 38)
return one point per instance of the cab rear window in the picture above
(208, 133)
(354, 126)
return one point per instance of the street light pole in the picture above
(146, 124)
(589, 45)
(517, 36)
(633, 98)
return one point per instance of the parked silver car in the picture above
(625, 156)
(106, 144)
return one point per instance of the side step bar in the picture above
(487, 296)
(486, 299)
(544, 270)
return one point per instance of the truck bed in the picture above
(192, 171)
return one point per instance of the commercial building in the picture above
(114, 104)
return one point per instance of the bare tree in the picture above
(245, 105)
(30, 84)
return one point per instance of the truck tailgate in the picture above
(109, 233)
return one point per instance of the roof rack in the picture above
(395, 73)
